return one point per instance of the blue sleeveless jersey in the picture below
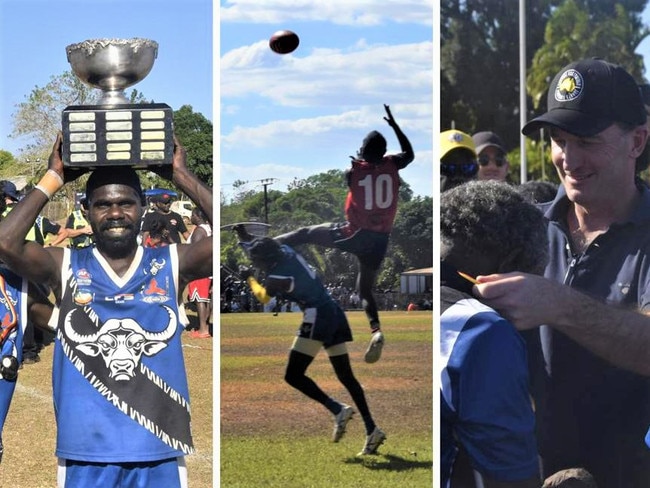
(119, 381)
(13, 314)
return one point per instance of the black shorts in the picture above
(368, 246)
(327, 324)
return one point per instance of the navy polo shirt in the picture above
(589, 412)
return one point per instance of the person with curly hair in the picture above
(487, 421)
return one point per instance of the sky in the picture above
(644, 47)
(34, 35)
(300, 114)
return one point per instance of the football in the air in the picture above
(284, 42)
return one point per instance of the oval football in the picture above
(284, 42)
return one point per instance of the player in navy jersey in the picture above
(324, 325)
(119, 382)
(487, 424)
(370, 208)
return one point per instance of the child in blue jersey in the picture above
(487, 423)
(324, 325)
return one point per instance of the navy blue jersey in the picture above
(306, 288)
(323, 319)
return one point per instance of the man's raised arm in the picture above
(195, 260)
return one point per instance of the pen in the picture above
(467, 277)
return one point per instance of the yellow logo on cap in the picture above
(569, 86)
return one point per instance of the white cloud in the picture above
(344, 12)
(295, 115)
(411, 118)
(399, 73)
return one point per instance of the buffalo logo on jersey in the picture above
(156, 266)
(569, 86)
(121, 343)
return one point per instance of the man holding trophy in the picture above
(119, 381)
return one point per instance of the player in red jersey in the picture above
(370, 209)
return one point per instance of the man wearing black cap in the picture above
(173, 221)
(591, 383)
(492, 160)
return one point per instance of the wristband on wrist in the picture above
(50, 183)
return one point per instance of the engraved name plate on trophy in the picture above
(115, 132)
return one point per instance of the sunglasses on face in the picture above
(468, 168)
(484, 160)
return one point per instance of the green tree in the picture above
(195, 133)
(413, 232)
(583, 29)
(38, 117)
(6, 159)
(479, 61)
(320, 198)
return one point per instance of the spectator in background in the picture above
(200, 291)
(80, 234)
(159, 235)
(173, 221)
(42, 227)
(492, 161)
(457, 159)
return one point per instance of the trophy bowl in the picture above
(112, 64)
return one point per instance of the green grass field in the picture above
(273, 436)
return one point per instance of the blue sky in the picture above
(296, 115)
(35, 33)
(644, 47)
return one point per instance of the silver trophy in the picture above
(115, 132)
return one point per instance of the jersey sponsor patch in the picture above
(83, 297)
(84, 278)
